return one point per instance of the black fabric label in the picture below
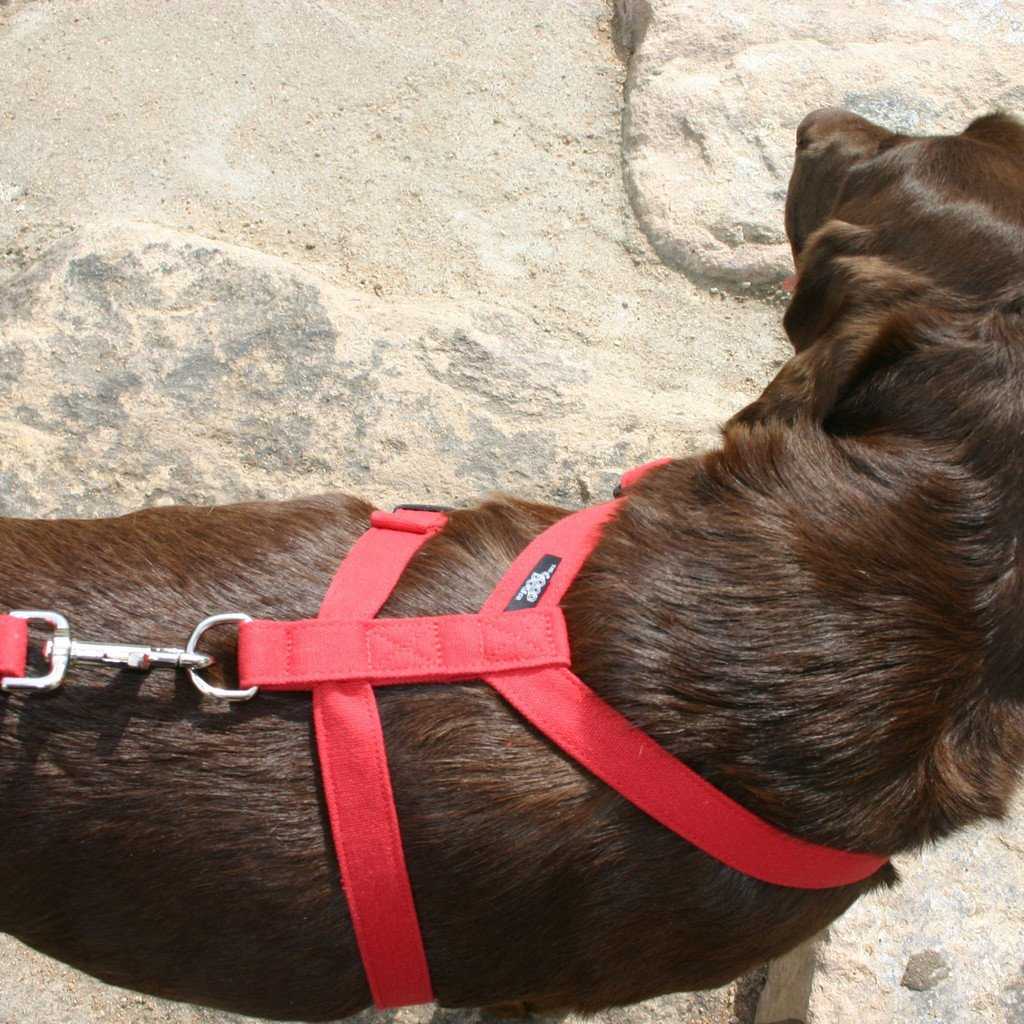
(534, 585)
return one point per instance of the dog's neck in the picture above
(801, 607)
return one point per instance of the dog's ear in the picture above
(824, 282)
(830, 144)
(843, 277)
(810, 386)
(852, 314)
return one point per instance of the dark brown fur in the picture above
(823, 617)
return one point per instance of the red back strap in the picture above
(441, 649)
(518, 645)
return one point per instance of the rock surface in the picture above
(416, 149)
(143, 365)
(946, 945)
(715, 93)
(269, 247)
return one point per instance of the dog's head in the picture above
(891, 233)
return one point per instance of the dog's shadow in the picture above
(94, 714)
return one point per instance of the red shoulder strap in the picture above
(572, 716)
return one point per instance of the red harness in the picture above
(518, 645)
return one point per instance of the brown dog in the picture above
(825, 618)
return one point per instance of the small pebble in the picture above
(924, 971)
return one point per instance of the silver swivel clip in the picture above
(61, 650)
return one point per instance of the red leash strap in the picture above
(357, 783)
(13, 646)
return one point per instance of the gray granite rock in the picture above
(416, 148)
(715, 92)
(144, 365)
(925, 970)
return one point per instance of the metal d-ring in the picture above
(218, 692)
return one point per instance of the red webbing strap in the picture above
(570, 539)
(573, 717)
(13, 646)
(365, 579)
(593, 733)
(357, 783)
(386, 652)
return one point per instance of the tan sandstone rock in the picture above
(143, 365)
(716, 90)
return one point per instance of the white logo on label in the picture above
(534, 586)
